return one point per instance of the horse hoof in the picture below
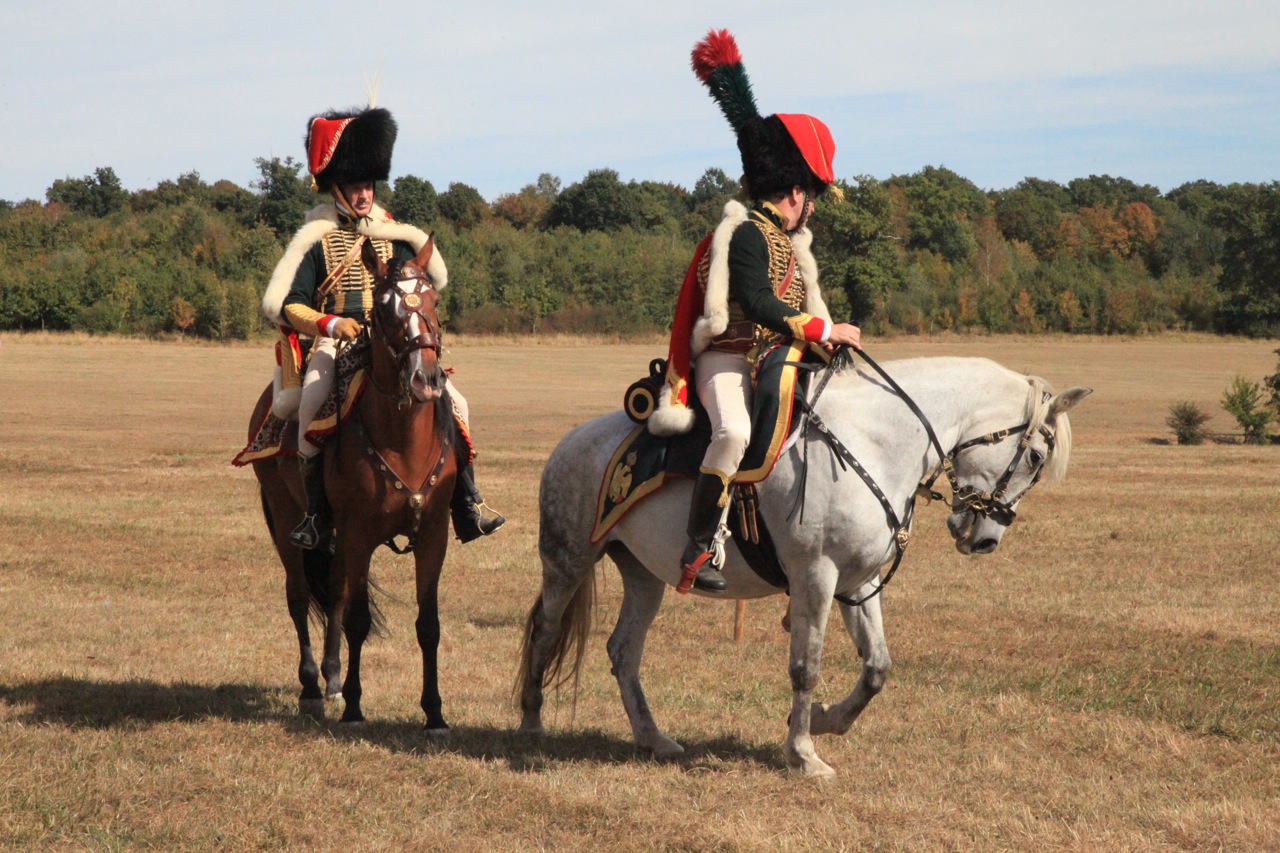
(813, 768)
(313, 708)
(532, 730)
(440, 735)
(664, 748)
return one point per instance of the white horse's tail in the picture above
(570, 644)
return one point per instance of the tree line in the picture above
(920, 253)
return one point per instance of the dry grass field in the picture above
(1108, 680)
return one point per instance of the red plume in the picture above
(717, 49)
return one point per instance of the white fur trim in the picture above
(281, 280)
(670, 418)
(715, 303)
(322, 219)
(802, 243)
(388, 229)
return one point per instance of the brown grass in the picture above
(1107, 680)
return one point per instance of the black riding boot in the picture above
(468, 521)
(307, 534)
(704, 517)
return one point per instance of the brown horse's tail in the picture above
(570, 644)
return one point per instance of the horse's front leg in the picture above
(866, 626)
(357, 619)
(810, 606)
(298, 593)
(428, 556)
(642, 595)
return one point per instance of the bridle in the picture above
(992, 504)
(399, 311)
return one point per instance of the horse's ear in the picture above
(372, 261)
(1067, 400)
(424, 256)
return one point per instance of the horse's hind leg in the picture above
(555, 630)
(866, 626)
(642, 595)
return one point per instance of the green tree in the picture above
(284, 197)
(462, 204)
(599, 202)
(1249, 217)
(414, 201)
(98, 194)
(856, 251)
(1111, 193)
(1243, 401)
(1029, 216)
(941, 206)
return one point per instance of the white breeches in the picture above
(318, 380)
(724, 387)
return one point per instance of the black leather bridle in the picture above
(993, 504)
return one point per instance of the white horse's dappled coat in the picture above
(840, 546)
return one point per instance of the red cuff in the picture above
(325, 324)
(816, 330)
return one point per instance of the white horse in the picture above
(838, 549)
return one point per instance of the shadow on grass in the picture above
(107, 704)
(524, 753)
(82, 703)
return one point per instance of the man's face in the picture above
(359, 196)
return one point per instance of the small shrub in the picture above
(1272, 384)
(1187, 420)
(1243, 401)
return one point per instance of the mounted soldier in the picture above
(322, 289)
(752, 287)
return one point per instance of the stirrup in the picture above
(306, 535)
(702, 574)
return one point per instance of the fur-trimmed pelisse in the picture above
(777, 154)
(346, 146)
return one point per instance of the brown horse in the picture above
(388, 472)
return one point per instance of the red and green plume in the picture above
(718, 64)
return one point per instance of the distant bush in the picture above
(1187, 420)
(1243, 401)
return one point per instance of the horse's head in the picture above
(405, 321)
(993, 471)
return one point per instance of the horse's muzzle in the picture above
(426, 384)
(971, 534)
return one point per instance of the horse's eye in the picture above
(1035, 457)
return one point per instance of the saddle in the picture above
(277, 436)
(643, 463)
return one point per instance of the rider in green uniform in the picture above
(753, 285)
(322, 289)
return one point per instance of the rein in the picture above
(992, 504)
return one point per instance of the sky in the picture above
(493, 93)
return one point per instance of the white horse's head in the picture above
(995, 470)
